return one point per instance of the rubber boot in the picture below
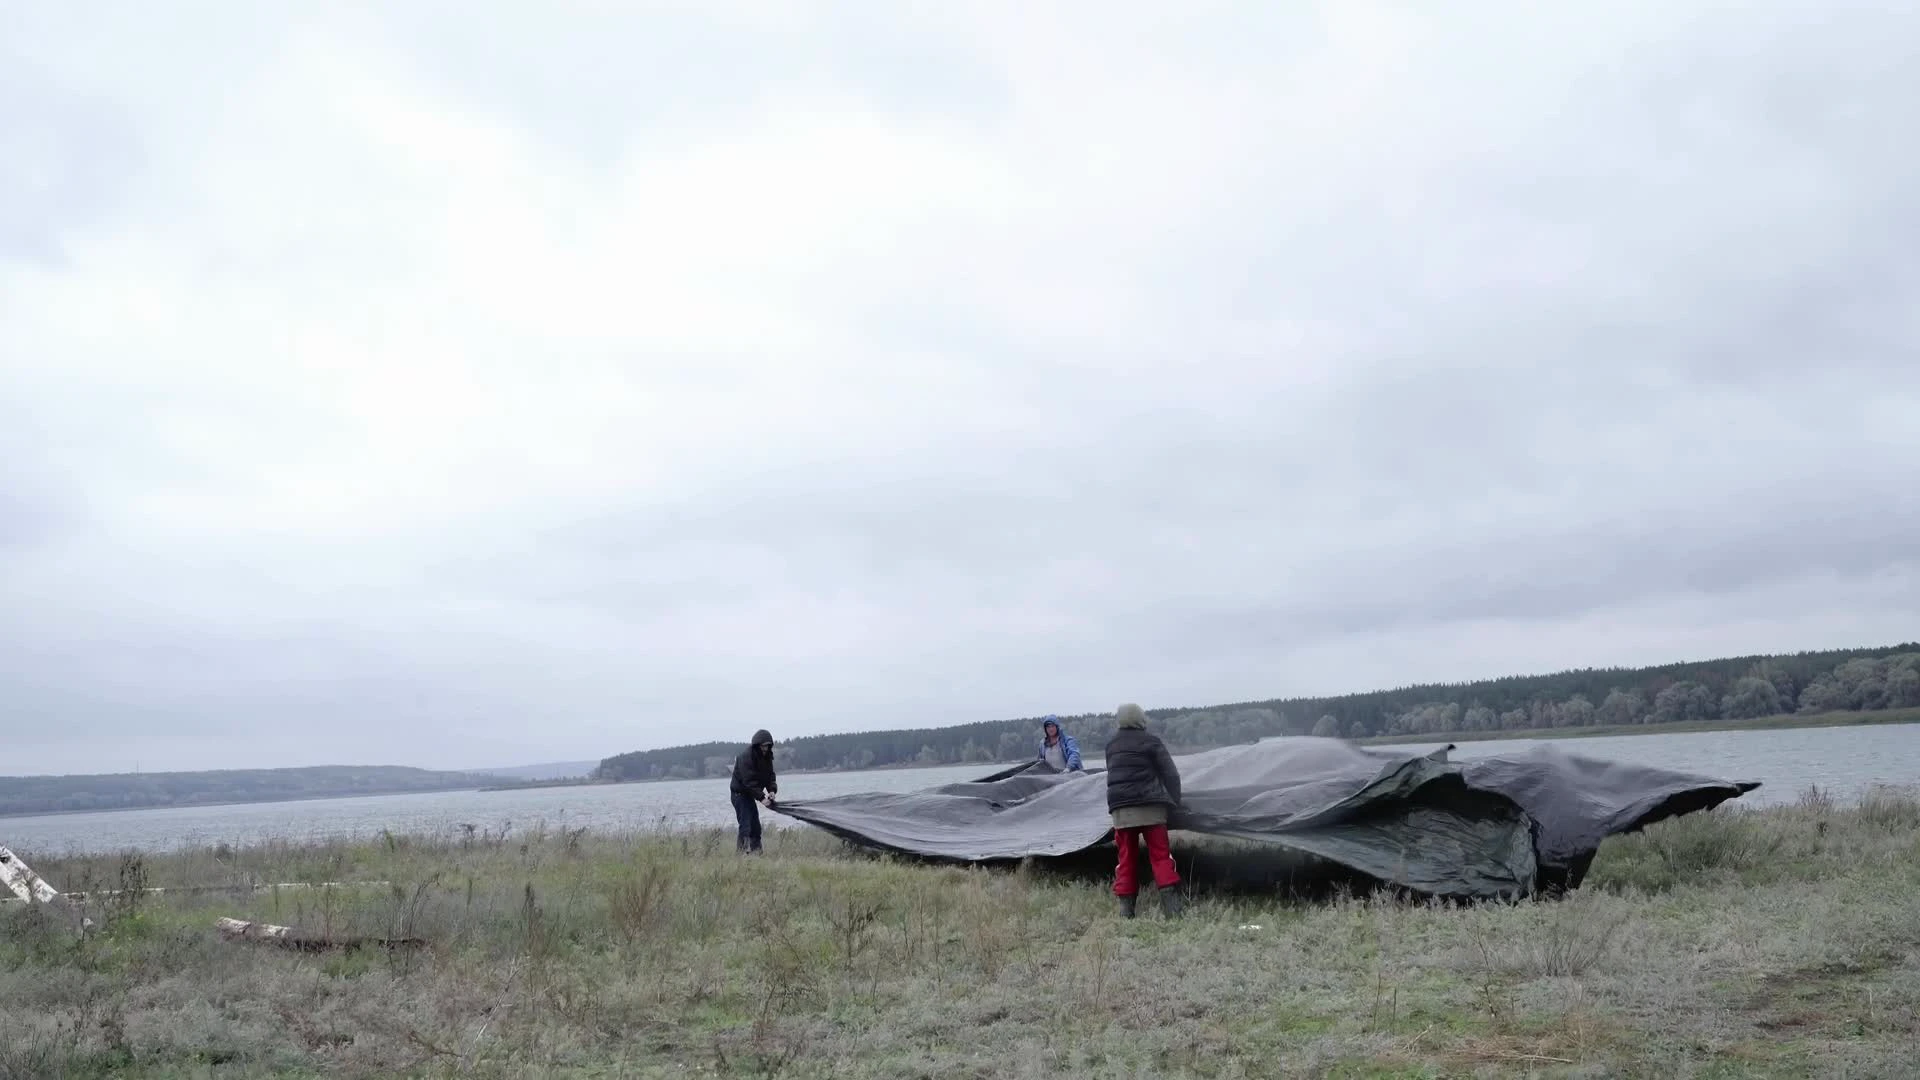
(1127, 906)
(1170, 903)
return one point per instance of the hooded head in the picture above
(1130, 716)
(763, 741)
(1050, 727)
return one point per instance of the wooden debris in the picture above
(80, 896)
(289, 937)
(194, 890)
(30, 887)
(26, 884)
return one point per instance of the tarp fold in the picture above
(1501, 826)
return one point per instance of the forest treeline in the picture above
(1737, 688)
(129, 791)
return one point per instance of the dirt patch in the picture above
(1838, 999)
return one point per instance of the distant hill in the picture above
(1736, 688)
(552, 770)
(127, 791)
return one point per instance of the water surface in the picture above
(1842, 760)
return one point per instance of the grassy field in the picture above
(1763, 723)
(1780, 942)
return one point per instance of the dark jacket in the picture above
(1140, 771)
(753, 769)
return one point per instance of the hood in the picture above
(762, 738)
(1130, 716)
(1052, 722)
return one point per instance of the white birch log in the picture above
(26, 884)
(192, 890)
(11, 877)
(254, 930)
(295, 938)
(31, 887)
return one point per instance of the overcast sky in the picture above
(505, 383)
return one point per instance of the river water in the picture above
(1842, 760)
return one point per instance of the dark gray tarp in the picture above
(1497, 826)
(1576, 802)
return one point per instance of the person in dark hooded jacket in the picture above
(1142, 787)
(753, 785)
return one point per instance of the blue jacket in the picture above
(1067, 746)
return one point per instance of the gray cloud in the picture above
(63, 159)
(447, 393)
(25, 521)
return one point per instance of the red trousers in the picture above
(1126, 879)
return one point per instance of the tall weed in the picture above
(1894, 809)
(1692, 850)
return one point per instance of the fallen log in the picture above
(195, 890)
(26, 884)
(30, 887)
(289, 937)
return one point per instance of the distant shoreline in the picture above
(6, 815)
(583, 782)
(1788, 722)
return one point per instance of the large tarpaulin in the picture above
(1495, 826)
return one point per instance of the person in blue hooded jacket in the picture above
(1057, 748)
